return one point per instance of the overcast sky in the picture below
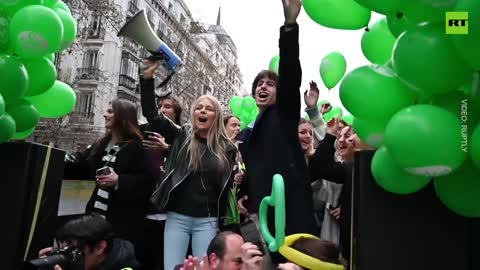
(254, 27)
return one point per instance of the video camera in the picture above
(65, 257)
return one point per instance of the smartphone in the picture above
(249, 231)
(148, 133)
(331, 207)
(104, 171)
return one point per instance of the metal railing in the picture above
(127, 81)
(131, 45)
(89, 73)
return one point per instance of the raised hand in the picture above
(325, 108)
(333, 126)
(252, 257)
(149, 71)
(291, 9)
(311, 96)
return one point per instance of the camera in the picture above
(104, 171)
(65, 257)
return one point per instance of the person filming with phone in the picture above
(117, 162)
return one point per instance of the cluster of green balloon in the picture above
(419, 100)
(332, 69)
(245, 109)
(31, 31)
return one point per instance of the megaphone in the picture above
(138, 29)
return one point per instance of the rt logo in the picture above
(456, 23)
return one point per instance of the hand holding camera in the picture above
(52, 258)
(106, 177)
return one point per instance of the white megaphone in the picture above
(138, 29)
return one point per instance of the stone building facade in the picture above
(101, 66)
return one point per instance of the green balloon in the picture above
(427, 10)
(425, 58)
(425, 140)
(7, 127)
(382, 6)
(377, 43)
(25, 115)
(392, 178)
(35, 31)
(13, 78)
(24, 134)
(467, 45)
(348, 119)
(399, 23)
(243, 125)
(4, 36)
(50, 57)
(249, 104)
(236, 105)
(332, 69)
(462, 107)
(46, 105)
(42, 75)
(475, 146)
(335, 112)
(460, 190)
(371, 132)
(374, 93)
(338, 14)
(274, 62)
(244, 116)
(69, 28)
(10, 7)
(2, 105)
(62, 5)
(50, 3)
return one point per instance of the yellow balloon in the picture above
(302, 259)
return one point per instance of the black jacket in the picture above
(128, 204)
(272, 146)
(176, 166)
(322, 165)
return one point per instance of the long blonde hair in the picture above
(217, 140)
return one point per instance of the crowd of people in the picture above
(162, 188)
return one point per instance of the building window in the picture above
(182, 19)
(170, 6)
(95, 27)
(85, 104)
(57, 60)
(150, 18)
(128, 72)
(91, 59)
(161, 26)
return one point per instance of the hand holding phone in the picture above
(104, 171)
(146, 135)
